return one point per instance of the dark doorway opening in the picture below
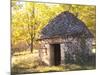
(57, 54)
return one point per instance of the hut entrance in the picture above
(57, 54)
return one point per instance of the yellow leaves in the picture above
(28, 7)
(39, 14)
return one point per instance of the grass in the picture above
(26, 62)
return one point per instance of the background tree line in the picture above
(28, 19)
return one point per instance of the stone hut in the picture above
(65, 39)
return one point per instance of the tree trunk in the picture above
(31, 47)
(40, 58)
(31, 44)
